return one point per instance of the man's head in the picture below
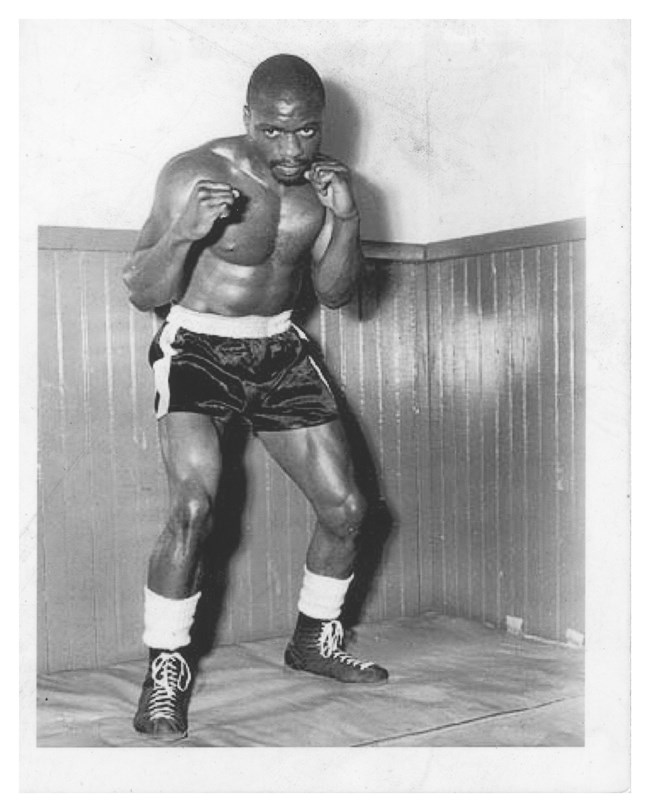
(283, 115)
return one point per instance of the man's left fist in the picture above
(331, 181)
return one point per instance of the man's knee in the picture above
(345, 518)
(192, 507)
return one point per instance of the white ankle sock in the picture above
(321, 597)
(167, 622)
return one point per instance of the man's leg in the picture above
(318, 460)
(191, 451)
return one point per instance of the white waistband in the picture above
(229, 326)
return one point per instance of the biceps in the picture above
(169, 200)
(160, 219)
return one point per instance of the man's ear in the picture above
(247, 116)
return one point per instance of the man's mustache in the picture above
(291, 164)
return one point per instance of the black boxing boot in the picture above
(162, 709)
(316, 646)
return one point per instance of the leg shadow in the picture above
(378, 523)
(377, 526)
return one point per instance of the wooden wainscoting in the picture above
(460, 367)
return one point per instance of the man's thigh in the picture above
(317, 458)
(191, 449)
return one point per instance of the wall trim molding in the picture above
(397, 251)
(512, 239)
(65, 238)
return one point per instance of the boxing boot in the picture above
(317, 647)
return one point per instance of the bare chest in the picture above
(269, 229)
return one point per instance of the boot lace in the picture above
(171, 674)
(329, 642)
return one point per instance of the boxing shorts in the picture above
(260, 368)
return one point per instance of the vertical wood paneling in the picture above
(93, 584)
(504, 404)
(474, 406)
(464, 379)
(391, 426)
(569, 555)
(53, 624)
(408, 546)
(460, 411)
(546, 609)
(425, 450)
(448, 428)
(141, 486)
(490, 400)
(436, 405)
(123, 460)
(99, 433)
(255, 543)
(480, 401)
(534, 418)
(504, 440)
(79, 556)
(575, 608)
(518, 487)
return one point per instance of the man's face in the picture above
(286, 133)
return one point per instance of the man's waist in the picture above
(229, 326)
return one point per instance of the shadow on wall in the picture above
(229, 507)
(376, 531)
(342, 130)
(343, 127)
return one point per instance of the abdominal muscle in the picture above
(239, 290)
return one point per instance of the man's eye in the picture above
(308, 132)
(271, 132)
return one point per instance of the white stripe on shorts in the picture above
(305, 337)
(162, 366)
(320, 375)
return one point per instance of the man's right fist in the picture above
(209, 200)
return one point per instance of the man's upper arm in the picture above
(172, 190)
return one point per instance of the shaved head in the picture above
(285, 77)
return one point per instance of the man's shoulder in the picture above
(231, 150)
(215, 160)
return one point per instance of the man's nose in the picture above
(291, 146)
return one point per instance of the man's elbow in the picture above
(138, 298)
(143, 305)
(144, 301)
(334, 302)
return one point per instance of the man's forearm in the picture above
(154, 275)
(337, 273)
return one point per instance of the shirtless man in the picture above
(233, 225)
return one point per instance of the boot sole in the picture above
(169, 738)
(292, 669)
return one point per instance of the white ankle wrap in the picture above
(321, 597)
(167, 622)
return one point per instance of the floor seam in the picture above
(464, 722)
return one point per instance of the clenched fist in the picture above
(331, 181)
(209, 200)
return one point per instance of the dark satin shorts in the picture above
(274, 382)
